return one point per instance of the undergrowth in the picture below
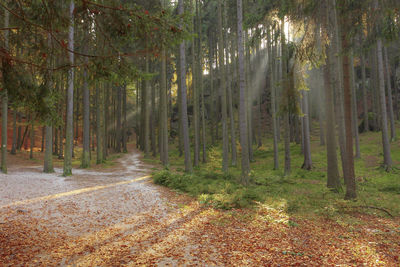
(302, 193)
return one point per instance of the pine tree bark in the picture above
(332, 162)
(213, 114)
(390, 97)
(242, 98)
(163, 110)
(338, 78)
(230, 101)
(118, 130)
(85, 162)
(124, 122)
(285, 83)
(387, 158)
(4, 99)
(196, 109)
(32, 137)
(275, 129)
(364, 87)
(185, 124)
(146, 111)
(201, 86)
(249, 99)
(306, 133)
(354, 108)
(67, 171)
(222, 73)
(349, 175)
(19, 134)
(48, 156)
(14, 133)
(99, 132)
(320, 92)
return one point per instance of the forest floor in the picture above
(115, 216)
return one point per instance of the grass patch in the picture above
(303, 193)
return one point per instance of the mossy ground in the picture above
(303, 193)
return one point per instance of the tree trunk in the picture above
(225, 137)
(48, 155)
(354, 109)
(4, 100)
(19, 134)
(320, 92)
(99, 133)
(125, 122)
(349, 175)
(105, 118)
(306, 133)
(230, 101)
(242, 98)
(332, 162)
(213, 112)
(179, 96)
(118, 130)
(196, 122)
(387, 158)
(106, 115)
(364, 88)
(67, 171)
(14, 136)
(85, 163)
(249, 99)
(275, 129)
(390, 97)
(286, 119)
(185, 124)
(201, 89)
(163, 110)
(146, 111)
(32, 137)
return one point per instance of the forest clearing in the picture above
(200, 133)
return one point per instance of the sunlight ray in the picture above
(71, 193)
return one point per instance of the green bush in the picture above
(212, 188)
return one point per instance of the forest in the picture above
(200, 132)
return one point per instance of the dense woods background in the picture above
(84, 78)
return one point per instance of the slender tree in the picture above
(225, 138)
(275, 127)
(242, 98)
(354, 108)
(201, 89)
(307, 164)
(364, 87)
(390, 97)
(99, 122)
(4, 99)
(185, 124)
(286, 78)
(349, 156)
(70, 96)
(14, 132)
(85, 161)
(48, 157)
(387, 158)
(163, 109)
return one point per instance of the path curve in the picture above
(86, 219)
